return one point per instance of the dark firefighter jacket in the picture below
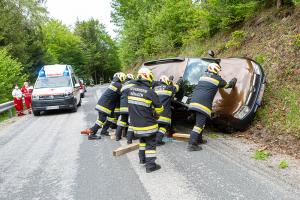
(204, 93)
(165, 94)
(142, 103)
(110, 97)
(124, 96)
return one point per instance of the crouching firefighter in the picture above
(123, 118)
(165, 91)
(202, 99)
(143, 103)
(106, 105)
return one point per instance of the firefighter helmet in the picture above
(164, 79)
(120, 75)
(145, 74)
(130, 76)
(214, 68)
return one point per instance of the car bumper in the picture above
(57, 104)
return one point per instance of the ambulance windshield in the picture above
(53, 82)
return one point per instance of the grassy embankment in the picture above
(272, 39)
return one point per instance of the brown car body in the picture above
(228, 102)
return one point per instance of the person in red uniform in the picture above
(26, 91)
(17, 95)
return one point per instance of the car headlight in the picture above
(35, 97)
(244, 110)
(68, 95)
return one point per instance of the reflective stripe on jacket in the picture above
(142, 103)
(109, 98)
(204, 93)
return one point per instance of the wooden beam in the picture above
(181, 136)
(125, 149)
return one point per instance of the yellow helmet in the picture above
(165, 79)
(121, 76)
(214, 68)
(145, 74)
(130, 76)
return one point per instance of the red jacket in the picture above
(26, 91)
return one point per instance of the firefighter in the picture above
(202, 99)
(106, 105)
(26, 91)
(122, 124)
(165, 91)
(17, 95)
(143, 103)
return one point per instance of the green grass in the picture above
(213, 135)
(283, 164)
(4, 116)
(261, 155)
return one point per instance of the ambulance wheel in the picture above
(74, 109)
(79, 104)
(36, 113)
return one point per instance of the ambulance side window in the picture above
(74, 81)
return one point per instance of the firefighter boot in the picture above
(104, 130)
(152, 169)
(193, 147)
(129, 137)
(119, 133)
(94, 136)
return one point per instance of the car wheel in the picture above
(36, 113)
(79, 104)
(74, 109)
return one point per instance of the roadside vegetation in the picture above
(265, 30)
(29, 39)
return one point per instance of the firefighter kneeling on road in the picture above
(106, 105)
(202, 99)
(143, 103)
(123, 118)
(165, 91)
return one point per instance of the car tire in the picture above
(74, 109)
(36, 113)
(79, 104)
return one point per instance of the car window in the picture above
(53, 82)
(194, 70)
(74, 81)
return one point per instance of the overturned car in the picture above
(233, 109)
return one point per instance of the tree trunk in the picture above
(279, 3)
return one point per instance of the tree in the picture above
(63, 47)
(99, 48)
(10, 74)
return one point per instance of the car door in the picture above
(76, 87)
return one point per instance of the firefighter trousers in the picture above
(99, 122)
(196, 134)
(162, 130)
(147, 151)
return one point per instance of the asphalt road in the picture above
(46, 158)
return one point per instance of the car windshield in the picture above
(194, 70)
(53, 82)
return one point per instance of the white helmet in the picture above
(214, 68)
(145, 74)
(130, 76)
(164, 79)
(121, 76)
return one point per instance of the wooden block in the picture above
(181, 136)
(125, 149)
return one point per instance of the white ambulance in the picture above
(57, 87)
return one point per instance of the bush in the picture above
(297, 41)
(237, 38)
(10, 74)
(260, 59)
